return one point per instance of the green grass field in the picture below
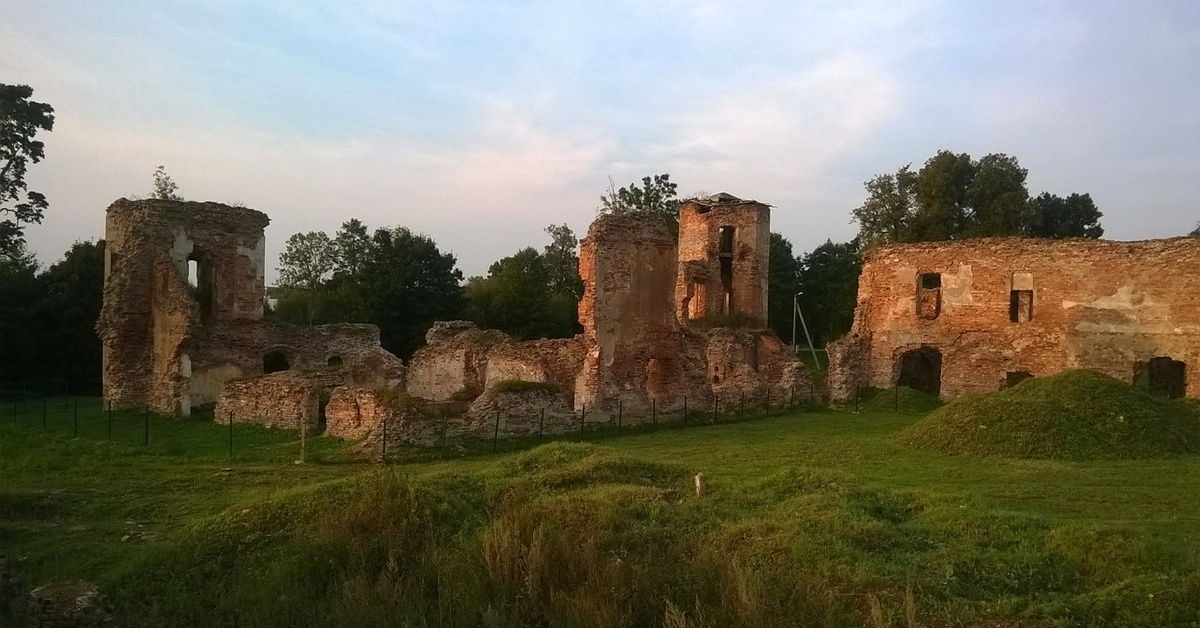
(809, 519)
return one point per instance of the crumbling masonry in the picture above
(183, 316)
(974, 316)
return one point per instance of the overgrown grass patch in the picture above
(809, 519)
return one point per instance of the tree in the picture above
(164, 187)
(20, 121)
(351, 248)
(562, 262)
(1196, 231)
(953, 196)
(306, 262)
(19, 292)
(72, 293)
(829, 282)
(783, 282)
(1073, 217)
(656, 197)
(409, 284)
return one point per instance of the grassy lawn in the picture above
(808, 519)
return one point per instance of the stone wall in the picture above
(632, 343)
(453, 362)
(360, 413)
(723, 277)
(754, 365)
(526, 411)
(171, 346)
(288, 399)
(1013, 305)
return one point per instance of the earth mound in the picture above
(1076, 415)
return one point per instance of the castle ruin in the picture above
(954, 318)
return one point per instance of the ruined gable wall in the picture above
(453, 362)
(631, 339)
(1096, 304)
(555, 360)
(354, 345)
(699, 283)
(753, 365)
(153, 324)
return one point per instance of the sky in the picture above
(480, 123)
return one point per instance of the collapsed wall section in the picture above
(975, 315)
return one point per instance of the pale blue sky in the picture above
(480, 123)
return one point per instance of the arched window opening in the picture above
(275, 361)
(921, 369)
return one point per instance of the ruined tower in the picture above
(724, 244)
(178, 275)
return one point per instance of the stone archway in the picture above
(921, 369)
(275, 360)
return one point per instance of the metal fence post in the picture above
(812, 394)
(76, 414)
(716, 403)
(685, 410)
(542, 423)
(768, 401)
(856, 398)
(383, 446)
(742, 406)
(620, 413)
(444, 428)
(582, 420)
(231, 435)
(110, 419)
(653, 414)
(792, 398)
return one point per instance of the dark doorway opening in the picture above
(921, 369)
(1020, 306)
(1016, 377)
(275, 361)
(200, 280)
(334, 361)
(1162, 377)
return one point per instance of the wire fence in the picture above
(441, 434)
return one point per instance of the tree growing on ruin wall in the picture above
(656, 197)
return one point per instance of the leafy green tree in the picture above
(19, 293)
(20, 121)
(953, 196)
(409, 284)
(72, 293)
(164, 187)
(561, 257)
(351, 248)
(783, 282)
(656, 197)
(829, 282)
(1075, 216)
(306, 262)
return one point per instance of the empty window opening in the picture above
(200, 278)
(921, 369)
(725, 245)
(275, 361)
(1162, 377)
(1020, 306)
(335, 361)
(929, 295)
(1016, 377)
(727, 285)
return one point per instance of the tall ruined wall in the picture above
(352, 346)
(714, 270)
(633, 348)
(168, 345)
(1011, 305)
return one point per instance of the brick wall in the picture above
(1101, 305)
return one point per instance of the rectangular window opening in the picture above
(929, 295)
(1020, 306)
(726, 240)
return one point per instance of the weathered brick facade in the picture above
(973, 316)
(171, 346)
(724, 246)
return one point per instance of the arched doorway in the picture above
(275, 361)
(921, 369)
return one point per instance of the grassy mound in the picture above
(898, 399)
(1077, 415)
